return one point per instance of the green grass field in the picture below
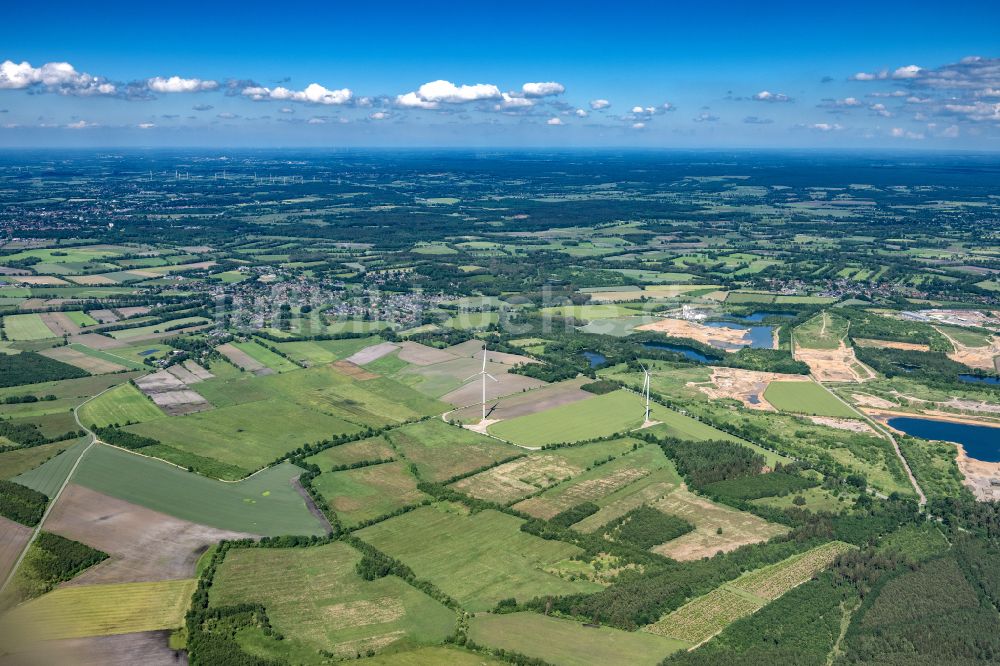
(569, 643)
(122, 404)
(48, 477)
(318, 602)
(265, 356)
(806, 398)
(81, 318)
(477, 559)
(372, 448)
(318, 352)
(364, 493)
(245, 436)
(113, 357)
(26, 327)
(441, 451)
(618, 411)
(129, 333)
(824, 331)
(104, 610)
(265, 503)
(19, 461)
(966, 337)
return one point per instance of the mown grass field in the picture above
(806, 398)
(113, 357)
(569, 643)
(103, 610)
(26, 327)
(357, 495)
(477, 559)
(372, 448)
(122, 404)
(265, 503)
(263, 355)
(319, 602)
(441, 451)
(602, 415)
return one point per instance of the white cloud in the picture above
(977, 111)
(868, 76)
(176, 84)
(950, 132)
(286, 109)
(900, 133)
(988, 92)
(80, 124)
(316, 121)
(880, 110)
(825, 127)
(767, 96)
(848, 102)
(379, 115)
(581, 113)
(705, 117)
(598, 104)
(543, 89)
(314, 93)
(146, 125)
(226, 115)
(511, 101)
(907, 72)
(554, 121)
(432, 95)
(638, 126)
(59, 77)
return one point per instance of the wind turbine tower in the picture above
(645, 389)
(484, 375)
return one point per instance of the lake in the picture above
(688, 353)
(980, 442)
(976, 379)
(761, 337)
(594, 358)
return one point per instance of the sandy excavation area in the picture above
(982, 358)
(747, 386)
(835, 365)
(722, 337)
(891, 344)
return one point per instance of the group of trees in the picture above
(21, 504)
(31, 368)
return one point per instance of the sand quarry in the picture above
(722, 337)
(835, 365)
(747, 386)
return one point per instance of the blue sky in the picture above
(552, 74)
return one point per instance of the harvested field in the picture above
(353, 371)
(102, 610)
(104, 316)
(891, 344)
(13, 538)
(149, 648)
(26, 327)
(725, 338)
(512, 481)
(738, 527)
(529, 402)
(98, 341)
(834, 365)
(372, 353)
(92, 280)
(144, 545)
(171, 394)
(132, 311)
(183, 374)
(418, 354)
(59, 323)
(41, 280)
(243, 360)
(747, 386)
(199, 372)
(93, 365)
(506, 384)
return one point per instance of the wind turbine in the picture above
(484, 375)
(645, 389)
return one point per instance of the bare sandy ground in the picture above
(147, 648)
(854, 425)
(98, 341)
(353, 370)
(372, 353)
(983, 358)
(13, 537)
(724, 338)
(834, 365)
(979, 476)
(747, 386)
(171, 394)
(59, 323)
(104, 316)
(891, 344)
(95, 366)
(144, 545)
(243, 360)
(418, 354)
(198, 371)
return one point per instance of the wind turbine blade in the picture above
(492, 377)
(472, 377)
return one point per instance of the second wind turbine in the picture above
(484, 375)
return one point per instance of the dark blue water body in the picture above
(755, 317)
(594, 358)
(979, 442)
(688, 353)
(976, 379)
(148, 352)
(761, 337)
